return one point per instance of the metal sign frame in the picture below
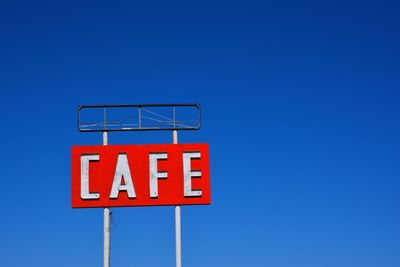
(176, 125)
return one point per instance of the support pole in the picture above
(178, 244)
(107, 225)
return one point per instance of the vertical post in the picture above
(174, 119)
(140, 117)
(178, 244)
(107, 226)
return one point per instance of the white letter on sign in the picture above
(85, 159)
(154, 174)
(188, 174)
(122, 170)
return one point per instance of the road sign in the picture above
(140, 175)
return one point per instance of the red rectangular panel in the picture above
(92, 185)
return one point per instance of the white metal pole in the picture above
(175, 137)
(107, 225)
(178, 242)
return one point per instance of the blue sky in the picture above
(299, 107)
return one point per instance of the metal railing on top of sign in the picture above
(146, 119)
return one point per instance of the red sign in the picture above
(140, 175)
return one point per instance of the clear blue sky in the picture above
(300, 107)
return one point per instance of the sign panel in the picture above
(140, 175)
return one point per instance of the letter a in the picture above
(122, 170)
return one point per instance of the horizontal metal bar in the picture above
(138, 106)
(140, 129)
